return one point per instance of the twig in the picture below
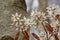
(45, 31)
(50, 36)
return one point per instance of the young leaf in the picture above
(48, 27)
(36, 36)
(24, 38)
(56, 37)
(26, 35)
(57, 16)
(17, 36)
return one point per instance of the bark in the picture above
(7, 8)
(43, 5)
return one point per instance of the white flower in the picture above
(17, 28)
(26, 21)
(16, 17)
(42, 34)
(35, 13)
(52, 7)
(16, 20)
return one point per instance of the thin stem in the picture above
(18, 32)
(50, 36)
(45, 31)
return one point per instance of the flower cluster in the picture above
(51, 20)
(19, 22)
(40, 21)
(52, 14)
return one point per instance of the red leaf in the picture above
(24, 38)
(26, 35)
(57, 16)
(48, 27)
(17, 36)
(36, 36)
(56, 37)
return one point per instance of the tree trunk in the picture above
(7, 8)
(43, 5)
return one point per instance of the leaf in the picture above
(56, 37)
(17, 36)
(24, 38)
(36, 36)
(57, 16)
(26, 35)
(48, 27)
